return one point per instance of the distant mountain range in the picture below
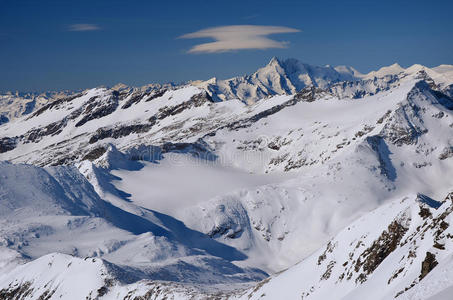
(278, 77)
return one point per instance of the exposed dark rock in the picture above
(201, 98)
(447, 152)
(253, 119)
(372, 257)
(328, 271)
(117, 132)
(54, 104)
(35, 135)
(95, 154)
(296, 164)
(385, 116)
(64, 160)
(439, 115)
(395, 275)
(366, 129)
(7, 144)
(156, 94)
(195, 101)
(135, 98)
(138, 96)
(329, 249)
(427, 79)
(226, 231)
(406, 124)
(401, 130)
(3, 119)
(424, 212)
(97, 108)
(273, 146)
(199, 149)
(428, 264)
(20, 291)
(310, 94)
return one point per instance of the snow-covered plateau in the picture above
(294, 182)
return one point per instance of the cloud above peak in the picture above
(238, 37)
(83, 27)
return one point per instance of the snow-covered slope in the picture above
(166, 183)
(57, 209)
(385, 254)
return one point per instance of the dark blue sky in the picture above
(137, 42)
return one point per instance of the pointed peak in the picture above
(274, 61)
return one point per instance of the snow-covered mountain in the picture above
(343, 179)
(277, 78)
(280, 77)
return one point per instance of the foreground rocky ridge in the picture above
(394, 247)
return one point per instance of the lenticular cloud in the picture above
(237, 37)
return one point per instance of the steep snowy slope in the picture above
(57, 209)
(383, 255)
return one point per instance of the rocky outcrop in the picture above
(428, 264)
(7, 144)
(387, 242)
(54, 104)
(98, 107)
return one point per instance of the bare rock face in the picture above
(98, 107)
(428, 264)
(310, 94)
(447, 152)
(387, 242)
(7, 144)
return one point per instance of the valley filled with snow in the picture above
(294, 182)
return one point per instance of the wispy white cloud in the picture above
(83, 27)
(238, 37)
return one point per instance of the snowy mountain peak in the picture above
(384, 71)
